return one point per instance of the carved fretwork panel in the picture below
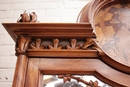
(57, 44)
(66, 47)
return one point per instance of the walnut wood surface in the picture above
(66, 48)
(64, 53)
(50, 30)
(48, 66)
(83, 50)
(20, 71)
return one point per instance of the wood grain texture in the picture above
(50, 30)
(34, 76)
(49, 66)
(20, 71)
(40, 43)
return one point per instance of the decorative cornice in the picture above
(50, 30)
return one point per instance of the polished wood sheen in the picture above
(50, 30)
(67, 49)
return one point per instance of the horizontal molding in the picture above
(63, 53)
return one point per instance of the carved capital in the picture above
(22, 45)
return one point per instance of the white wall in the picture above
(47, 11)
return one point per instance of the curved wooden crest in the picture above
(110, 21)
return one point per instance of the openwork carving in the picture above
(90, 44)
(22, 45)
(73, 45)
(78, 79)
(55, 45)
(37, 44)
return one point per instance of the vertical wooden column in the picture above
(20, 71)
(34, 76)
(22, 60)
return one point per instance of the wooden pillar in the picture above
(22, 60)
(20, 71)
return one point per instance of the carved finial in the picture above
(73, 45)
(27, 17)
(55, 45)
(37, 44)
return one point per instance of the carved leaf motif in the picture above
(90, 44)
(22, 44)
(95, 84)
(73, 45)
(55, 45)
(69, 77)
(37, 44)
(64, 79)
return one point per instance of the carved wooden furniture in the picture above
(68, 49)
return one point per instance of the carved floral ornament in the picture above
(25, 43)
(27, 17)
(78, 79)
(89, 44)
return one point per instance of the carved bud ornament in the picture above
(27, 17)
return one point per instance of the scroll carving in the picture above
(73, 45)
(78, 79)
(22, 45)
(37, 44)
(55, 43)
